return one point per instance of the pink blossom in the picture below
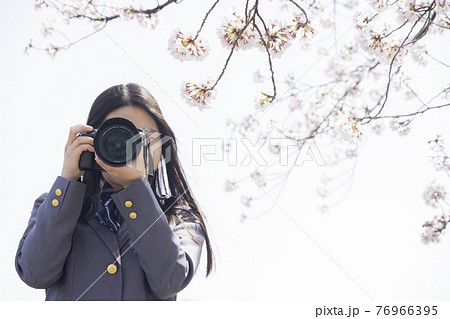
(258, 178)
(277, 38)
(433, 194)
(183, 47)
(52, 49)
(231, 185)
(301, 27)
(231, 28)
(197, 95)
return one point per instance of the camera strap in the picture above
(148, 160)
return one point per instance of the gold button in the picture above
(112, 268)
(58, 192)
(133, 215)
(55, 202)
(128, 203)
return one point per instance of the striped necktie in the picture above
(108, 214)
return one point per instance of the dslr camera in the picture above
(117, 142)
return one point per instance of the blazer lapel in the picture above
(122, 235)
(107, 236)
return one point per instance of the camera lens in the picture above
(111, 141)
(114, 143)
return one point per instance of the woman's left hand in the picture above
(124, 175)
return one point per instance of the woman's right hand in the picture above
(72, 152)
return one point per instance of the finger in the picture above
(101, 164)
(99, 161)
(81, 148)
(74, 130)
(106, 167)
(81, 140)
(154, 136)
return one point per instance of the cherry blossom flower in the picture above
(38, 4)
(347, 51)
(148, 21)
(447, 91)
(290, 79)
(230, 29)
(322, 192)
(47, 28)
(258, 77)
(377, 127)
(380, 4)
(197, 95)
(230, 185)
(418, 54)
(433, 193)
(347, 128)
(441, 163)
(400, 126)
(274, 148)
(300, 27)
(97, 25)
(437, 144)
(324, 208)
(433, 229)
(363, 18)
(248, 124)
(262, 102)
(399, 80)
(246, 200)
(295, 104)
(326, 19)
(325, 178)
(394, 50)
(277, 38)
(269, 126)
(52, 49)
(350, 3)
(126, 13)
(183, 47)
(376, 41)
(27, 48)
(258, 178)
(67, 12)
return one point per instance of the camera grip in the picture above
(87, 162)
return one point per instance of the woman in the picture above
(117, 234)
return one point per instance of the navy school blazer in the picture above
(84, 260)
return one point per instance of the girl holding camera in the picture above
(119, 233)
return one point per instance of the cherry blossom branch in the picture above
(388, 85)
(428, 108)
(439, 61)
(301, 9)
(436, 193)
(70, 12)
(129, 10)
(204, 20)
(271, 97)
(233, 47)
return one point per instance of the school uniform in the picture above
(127, 251)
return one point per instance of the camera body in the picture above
(117, 142)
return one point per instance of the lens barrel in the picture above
(117, 142)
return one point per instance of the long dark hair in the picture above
(183, 205)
